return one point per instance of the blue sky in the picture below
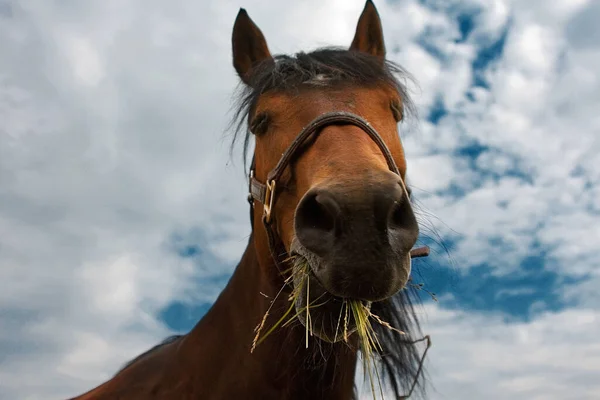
(122, 215)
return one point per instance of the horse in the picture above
(327, 185)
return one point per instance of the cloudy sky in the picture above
(122, 215)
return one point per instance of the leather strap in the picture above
(258, 190)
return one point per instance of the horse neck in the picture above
(281, 365)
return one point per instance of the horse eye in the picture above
(260, 124)
(396, 110)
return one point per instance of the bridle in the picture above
(266, 193)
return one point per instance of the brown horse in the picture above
(327, 186)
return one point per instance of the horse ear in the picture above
(249, 45)
(369, 34)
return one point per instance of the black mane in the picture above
(400, 363)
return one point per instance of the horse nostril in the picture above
(397, 216)
(315, 221)
(402, 221)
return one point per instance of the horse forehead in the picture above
(319, 99)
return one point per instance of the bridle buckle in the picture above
(269, 196)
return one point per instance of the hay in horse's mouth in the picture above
(332, 312)
(308, 299)
(353, 316)
(338, 318)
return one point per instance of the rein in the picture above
(266, 193)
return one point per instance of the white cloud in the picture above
(478, 356)
(539, 115)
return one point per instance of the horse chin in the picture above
(329, 317)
